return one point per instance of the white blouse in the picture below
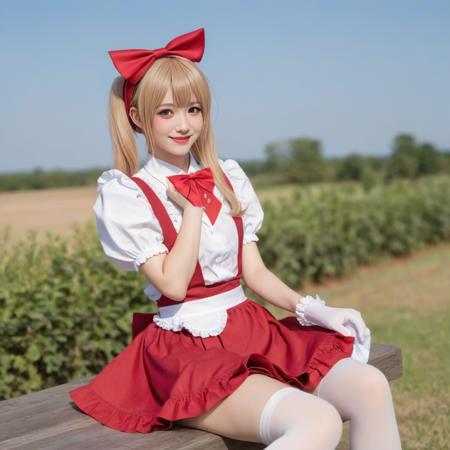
(130, 232)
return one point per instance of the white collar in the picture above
(161, 169)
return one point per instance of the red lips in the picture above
(180, 140)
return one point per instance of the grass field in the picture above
(406, 302)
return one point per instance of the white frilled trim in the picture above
(250, 237)
(204, 325)
(300, 308)
(148, 253)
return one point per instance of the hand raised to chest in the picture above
(176, 197)
(198, 189)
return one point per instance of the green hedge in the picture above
(322, 231)
(66, 310)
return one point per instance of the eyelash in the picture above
(164, 110)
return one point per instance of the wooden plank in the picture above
(48, 420)
(387, 358)
(99, 437)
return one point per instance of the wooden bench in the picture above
(48, 420)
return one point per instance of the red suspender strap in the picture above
(167, 227)
(169, 234)
(197, 287)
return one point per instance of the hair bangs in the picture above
(186, 85)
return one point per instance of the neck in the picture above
(181, 161)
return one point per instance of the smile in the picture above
(180, 140)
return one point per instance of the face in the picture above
(170, 122)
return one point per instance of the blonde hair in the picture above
(184, 78)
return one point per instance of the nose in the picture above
(182, 123)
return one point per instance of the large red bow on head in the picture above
(133, 64)
(198, 188)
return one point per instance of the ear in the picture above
(135, 117)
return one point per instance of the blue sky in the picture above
(350, 73)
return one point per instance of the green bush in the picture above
(328, 230)
(65, 310)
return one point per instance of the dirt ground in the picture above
(46, 210)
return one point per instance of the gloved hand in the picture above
(347, 321)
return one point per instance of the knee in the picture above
(302, 417)
(331, 425)
(373, 384)
(373, 380)
(323, 428)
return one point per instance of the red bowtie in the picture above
(198, 188)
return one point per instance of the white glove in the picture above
(347, 321)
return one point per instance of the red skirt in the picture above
(163, 376)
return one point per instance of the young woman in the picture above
(210, 358)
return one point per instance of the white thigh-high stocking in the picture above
(361, 393)
(293, 419)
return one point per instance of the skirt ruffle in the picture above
(163, 376)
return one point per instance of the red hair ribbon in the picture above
(133, 64)
(198, 188)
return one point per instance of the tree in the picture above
(272, 158)
(404, 159)
(429, 160)
(307, 164)
(352, 167)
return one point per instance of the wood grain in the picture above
(49, 420)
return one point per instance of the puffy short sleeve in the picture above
(128, 229)
(254, 215)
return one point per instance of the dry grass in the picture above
(406, 301)
(46, 210)
(56, 210)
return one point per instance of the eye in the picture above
(167, 112)
(164, 111)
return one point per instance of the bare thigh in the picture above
(238, 415)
